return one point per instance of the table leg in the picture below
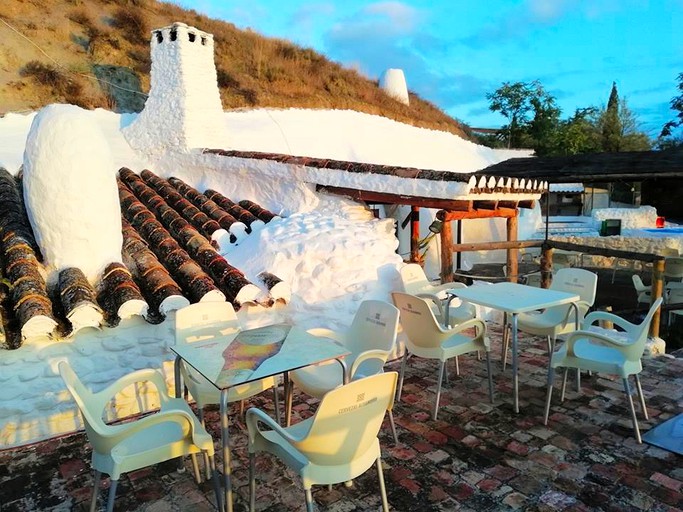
(576, 325)
(178, 380)
(515, 376)
(505, 341)
(288, 399)
(225, 439)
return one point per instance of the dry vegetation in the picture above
(87, 37)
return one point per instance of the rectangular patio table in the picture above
(513, 299)
(233, 359)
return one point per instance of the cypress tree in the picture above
(611, 126)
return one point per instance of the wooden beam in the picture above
(604, 251)
(528, 204)
(486, 205)
(446, 253)
(512, 205)
(657, 291)
(477, 214)
(512, 252)
(546, 265)
(387, 198)
(489, 246)
(414, 234)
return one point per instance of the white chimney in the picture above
(183, 110)
(393, 82)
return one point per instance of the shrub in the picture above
(55, 79)
(132, 23)
(225, 80)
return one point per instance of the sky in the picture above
(454, 52)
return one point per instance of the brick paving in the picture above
(475, 457)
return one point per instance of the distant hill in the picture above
(109, 39)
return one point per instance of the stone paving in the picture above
(475, 457)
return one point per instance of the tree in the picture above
(579, 133)
(619, 129)
(611, 123)
(543, 129)
(514, 101)
(677, 106)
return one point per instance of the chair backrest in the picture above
(205, 320)
(562, 259)
(673, 268)
(91, 406)
(374, 327)
(348, 419)
(413, 278)
(638, 336)
(576, 280)
(418, 320)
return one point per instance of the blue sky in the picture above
(454, 51)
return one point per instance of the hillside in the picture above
(109, 39)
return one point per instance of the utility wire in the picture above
(90, 77)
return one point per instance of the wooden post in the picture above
(512, 252)
(446, 252)
(546, 265)
(657, 291)
(415, 234)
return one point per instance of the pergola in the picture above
(481, 196)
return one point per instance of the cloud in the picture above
(531, 15)
(392, 35)
(307, 18)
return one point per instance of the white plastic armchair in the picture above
(605, 352)
(370, 340)
(118, 449)
(414, 282)
(559, 320)
(643, 291)
(337, 444)
(428, 339)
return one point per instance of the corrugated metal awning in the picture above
(566, 187)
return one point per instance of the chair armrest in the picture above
(591, 335)
(119, 432)
(255, 415)
(445, 287)
(583, 308)
(145, 375)
(434, 298)
(595, 316)
(323, 332)
(477, 323)
(367, 355)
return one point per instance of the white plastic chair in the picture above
(207, 320)
(643, 291)
(427, 338)
(673, 269)
(337, 444)
(559, 320)
(370, 339)
(172, 432)
(605, 352)
(415, 282)
(674, 295)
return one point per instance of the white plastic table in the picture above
(233, 359)
(513, 299)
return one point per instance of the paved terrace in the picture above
(476, 457)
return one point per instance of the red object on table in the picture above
(660, 222)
